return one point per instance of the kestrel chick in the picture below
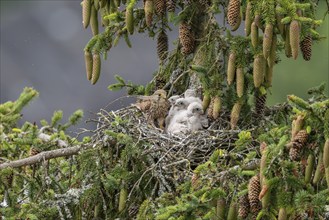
(191, 96)
(180, 104)
(195, 116)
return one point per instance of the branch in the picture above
(45, 155)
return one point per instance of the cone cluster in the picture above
(186, 38)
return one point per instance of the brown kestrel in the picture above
(155, 106)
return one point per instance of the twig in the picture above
(45, 155)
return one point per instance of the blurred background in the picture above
(42, 47)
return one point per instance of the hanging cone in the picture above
(216, 107)
(86, 11)
(171, 5)
(233, 12)
(206, 101)
(231, 68)
(148, 9)
(287, 47)
(94, 20)
(239, 81)
(248, 20)
(267, 40)
(96, 68)
(254, 35)
(260, 103)
(130, 19)
(244, 206)
(160, 7)
(253, 194)
(272, 57)
(235, 114)
(89, 64)
(259, 70)
(186, 38)
(162, 45)
(306, 47)
(294, 34)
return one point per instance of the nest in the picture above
(170, 158)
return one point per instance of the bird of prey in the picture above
(196, 119)
(180, 105)
(155, 106)
(191, 96)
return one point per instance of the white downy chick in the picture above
(180, 105)
(191, 96)
(196, 119)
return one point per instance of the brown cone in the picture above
(294, 34)
(244, 206)
(294, 153)
(306, 47)
(96, 68)
(260, 103)
(253, 194)
(235, 114)
(300, 139)
(162, 45)
(160, 7)
(171, 5)
(233, 12)
(231, 68)
(186, 38)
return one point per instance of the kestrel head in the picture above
(173, 99)
(190, 93)
(160, 93)
(181, 104)
(195, 108)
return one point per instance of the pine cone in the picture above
(162, 45)
(89, 64)
(272, 57)
(259, 70)
(171, 5)
(130, 19)
(267, 40)
(148, 8)
(160, 7)
(186, 38)
(254, 35)
(306, 47)
(94, 20)
(300, 139)
(260, 103)
(86, 11)
(233, 12)
(248, 19)
(294, 153)
(235, 114)
(244, 206)
(194, 180)
(216, 107)
(294, 34)
(231, 68)
(253, 194)
(96, 68)
(160, 82)
(239, 81)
